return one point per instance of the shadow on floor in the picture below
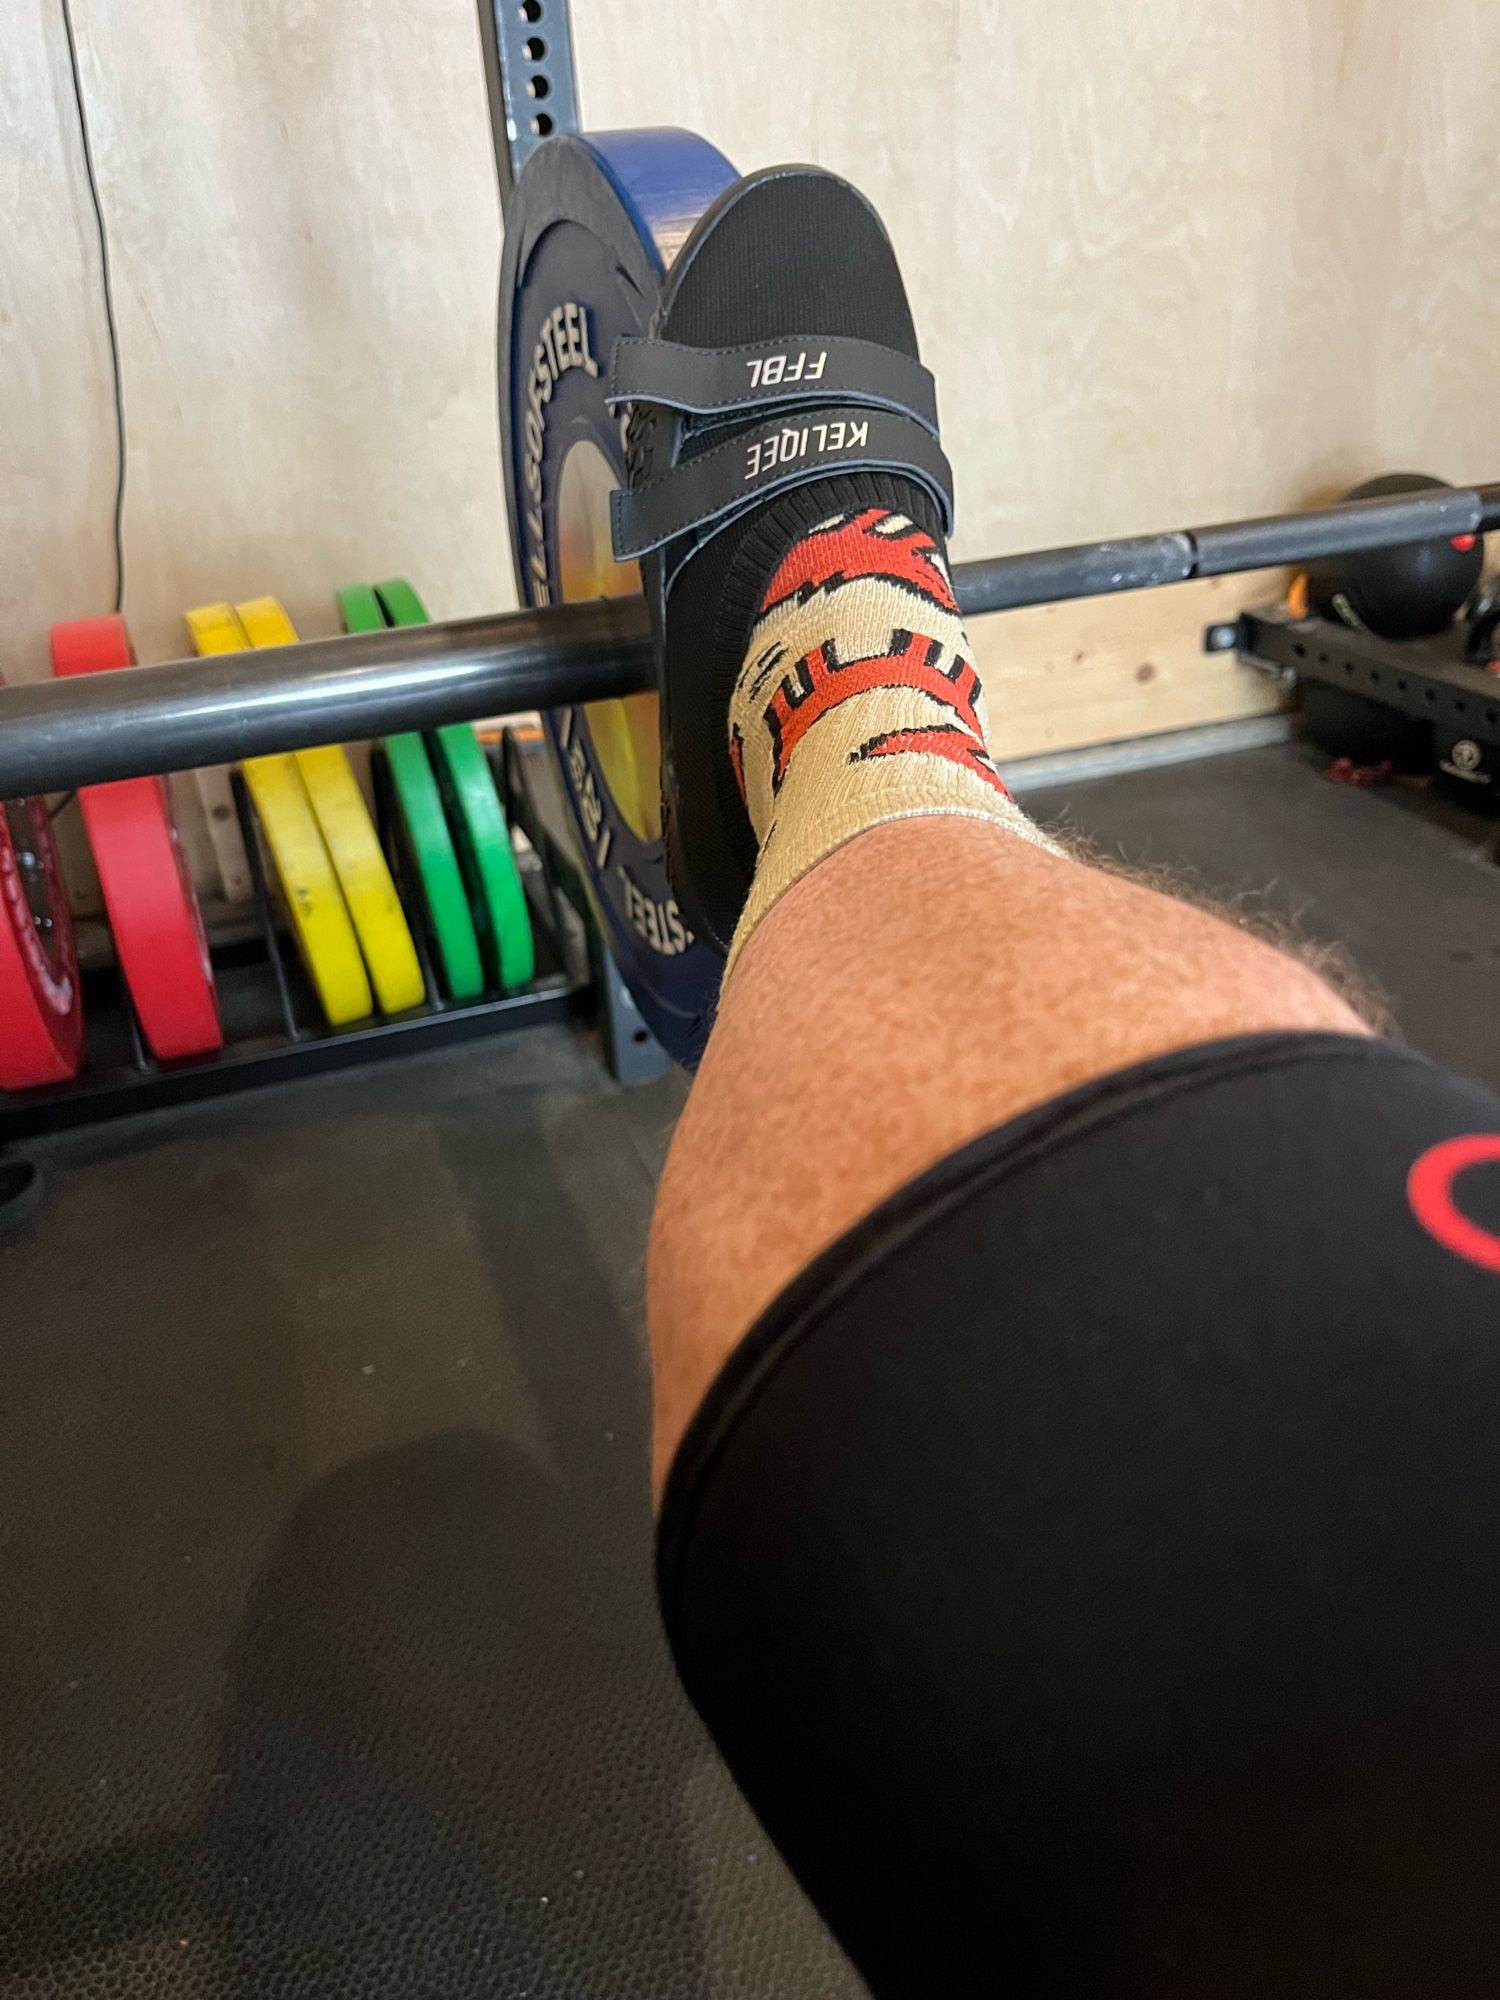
(330, 1664)
(419, 1786)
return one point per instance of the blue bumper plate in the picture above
(591, 228)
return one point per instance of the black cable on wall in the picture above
(109, 306)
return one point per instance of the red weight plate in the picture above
(41, 1011)
(148, 890)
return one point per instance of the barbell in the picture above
(56, 735)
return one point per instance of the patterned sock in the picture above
(857, 702)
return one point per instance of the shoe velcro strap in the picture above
(726, 481)
(772, 374)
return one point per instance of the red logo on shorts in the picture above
(1429, 1189)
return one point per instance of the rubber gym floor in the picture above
(329, 1662)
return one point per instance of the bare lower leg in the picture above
(930, 980)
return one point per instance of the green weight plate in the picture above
(421, 804)
(476, 819)
(401, 604)
(359, 609)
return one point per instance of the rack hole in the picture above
(535, 48)
(531, 10)
(541, 124)
(538, 86)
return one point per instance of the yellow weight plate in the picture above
(215, 629)
(627, 732)
(352, 842)
(309, 886)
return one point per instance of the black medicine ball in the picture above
(1407, 592)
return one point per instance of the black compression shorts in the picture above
(1090, 1567)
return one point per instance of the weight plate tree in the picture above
(309, 888)
(143, 872)
(477, 823)
(352, 842)
(421, 808)
(41, 1005)
(589, 232)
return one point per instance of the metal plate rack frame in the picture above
(285, 1037)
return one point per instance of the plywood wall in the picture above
(1178, 260)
